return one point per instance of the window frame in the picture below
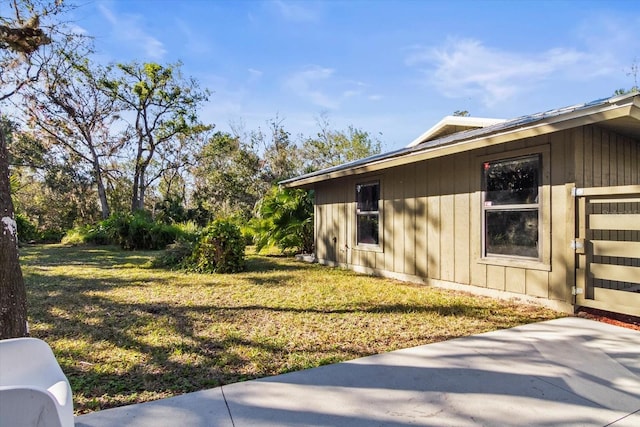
(543, 260)
(360, 213)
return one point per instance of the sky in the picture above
(391, 68)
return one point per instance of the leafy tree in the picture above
(25, 150)
(49, 186)
(227, 176)
(21, 35)
(285, 219)
(57, 197)
(461, 113)
(118, 184)
(332, 148)
(175, 167)
(282, 158)
(164, 107)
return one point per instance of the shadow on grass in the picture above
(95, 256)
(182, 347)
(258, 263)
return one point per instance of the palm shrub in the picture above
(220, 249)
(285, 219)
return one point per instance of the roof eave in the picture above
(615, 108)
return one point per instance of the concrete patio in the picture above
(569, 372)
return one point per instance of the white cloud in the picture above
(254, 75)
(323, 87)
(351, 93)
(297, 12)
(610, 35)
(307, 84)
(128, 28)
(466, 67)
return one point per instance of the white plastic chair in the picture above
(33, 389)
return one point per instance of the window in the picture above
(511, 207)
(367, 213)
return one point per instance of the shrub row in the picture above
(139, 231)
(28, 232)
(129, 231)
(218, 248)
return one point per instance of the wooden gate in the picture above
(608, 248)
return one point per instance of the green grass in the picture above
(125, 333)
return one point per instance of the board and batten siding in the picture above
(605, 158)
(430, 212)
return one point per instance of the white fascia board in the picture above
(468, 122)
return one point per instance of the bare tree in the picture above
(69, 109)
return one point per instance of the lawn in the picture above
(126, 333)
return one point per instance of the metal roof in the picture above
(505, 126)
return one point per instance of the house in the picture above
(544, 207)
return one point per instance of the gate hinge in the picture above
(576, 192)
(576, 291)
(578, 245)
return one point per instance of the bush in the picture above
(188, 231)
(88, 234)
(99, 234)
(50, 236)
(26, 229)
(200, 215)
(129, 231)
(176, 255)
(170, 210)
(139, 231)
(76, 236)
(220, 249)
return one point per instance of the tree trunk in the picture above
(139, 188)
(135, 190)
(13, 297)
(97, 172)
(142, 187)
(104, 203)
(102, 192)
